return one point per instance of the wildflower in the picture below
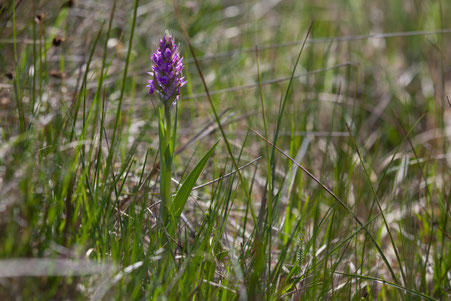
(167, 71)
(167, 79)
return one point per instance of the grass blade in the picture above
(182, 195)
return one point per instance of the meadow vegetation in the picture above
(312, 151)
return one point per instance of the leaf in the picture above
(182, 195)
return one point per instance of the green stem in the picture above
(166, 155)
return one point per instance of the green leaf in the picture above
(182, 195)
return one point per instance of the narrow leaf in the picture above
(182, 195)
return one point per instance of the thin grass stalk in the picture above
(121, 97)
(218, 121)
(17, 83)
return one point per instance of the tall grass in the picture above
(311, 158)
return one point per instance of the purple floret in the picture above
(167, 71)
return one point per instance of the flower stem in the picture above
(166, 156)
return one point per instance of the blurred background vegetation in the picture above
(69, 81)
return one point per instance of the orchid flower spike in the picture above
(167, 66)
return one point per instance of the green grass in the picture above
(300, 172)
